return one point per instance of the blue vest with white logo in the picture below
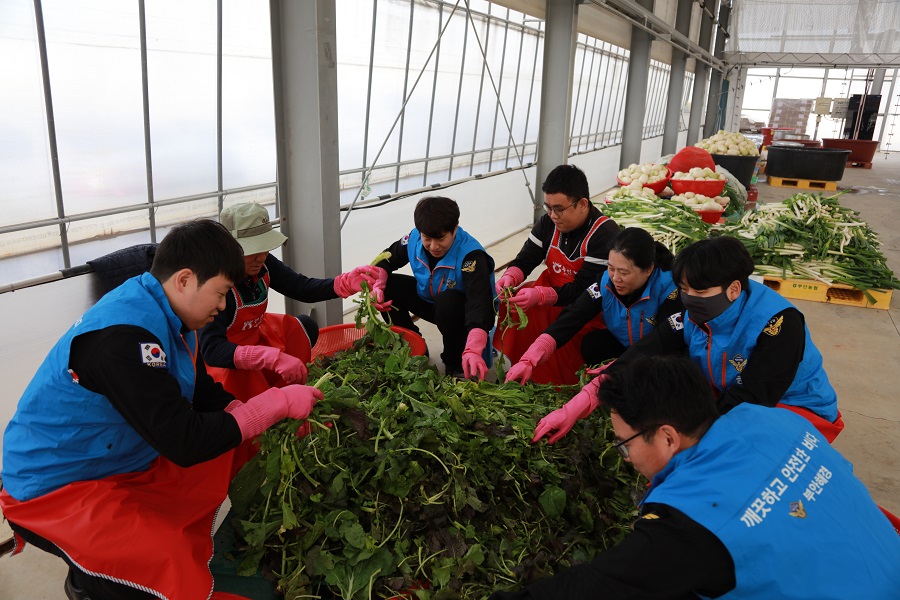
(723, 355)
(630, 323)
(797, 523)
(62, 432)
(447, 274)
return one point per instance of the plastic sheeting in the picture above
(815, 27)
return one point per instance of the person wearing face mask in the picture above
(752, 504)
(452, 285)
(752, 345)
(573, 241)
(634, 294)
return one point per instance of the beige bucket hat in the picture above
(250, 226)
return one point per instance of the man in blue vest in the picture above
(750, 504)
(452, 285)
(121, 448)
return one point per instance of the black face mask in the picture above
(703, 310)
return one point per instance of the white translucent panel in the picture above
(83, 251)
(248, 112)
(31, 253)
(95, 74)
(264, 196)
(758, 90)
(26, 187)
(181, 75)
(175, 214)
(795, 87)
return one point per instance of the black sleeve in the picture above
(297, 286)
(534, 250)
(215, 347)
(668, 555)
(594, 263)
(666, 338)
(771, 367)
(576, 315)
(476, 275)
(187, 432)
(399, 257)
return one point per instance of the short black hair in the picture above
(656, 390)
(205, 247)
(436, 215)
(713, 262)
(568, 180)
(638, 246)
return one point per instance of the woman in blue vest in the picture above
(752, 504)
(752, 345)
(452, 285)
(634, 294)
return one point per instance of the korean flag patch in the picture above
(676, 321)
(152, 355)
(594, 291)
(405, 240)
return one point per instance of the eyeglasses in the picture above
(622, 448)
(557, 210)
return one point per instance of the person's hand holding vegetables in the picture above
(512, 277)
(537, 353)
(472, 360)
(264, 410)
(538, 295)
(563, 419)
(349, 283)
(254, 358)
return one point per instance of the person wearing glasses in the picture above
(452, 285)
(573, 240)
(752, 345)
(751, 504)
(634, 294)
(247, 349)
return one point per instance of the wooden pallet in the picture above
(816, 291)
(860, 165)
(809, 184)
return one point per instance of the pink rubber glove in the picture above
(349, 283)
(378, 292)
(534, 296)
(563, 419)
(537, 353)
(512, 277)
(264, 410)
(472, 360)
(254, 358)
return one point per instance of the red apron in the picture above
(253, 326)
(150, 530)
(828, 429)
(562, 366)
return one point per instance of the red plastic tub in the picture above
(861, 151)
(708, 187)
(335, 338)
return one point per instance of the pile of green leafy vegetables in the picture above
(416, 485)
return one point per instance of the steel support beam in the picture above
(676, 80)
(701, 71)
(304, 65)
(556, 91)
(714, 108)
(636, 95)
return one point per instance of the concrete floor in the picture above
(860, 346)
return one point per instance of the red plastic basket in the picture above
(335, 338)
(708, 187)
(656, 186)
(709, 216)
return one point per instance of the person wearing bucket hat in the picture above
(248, 349)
